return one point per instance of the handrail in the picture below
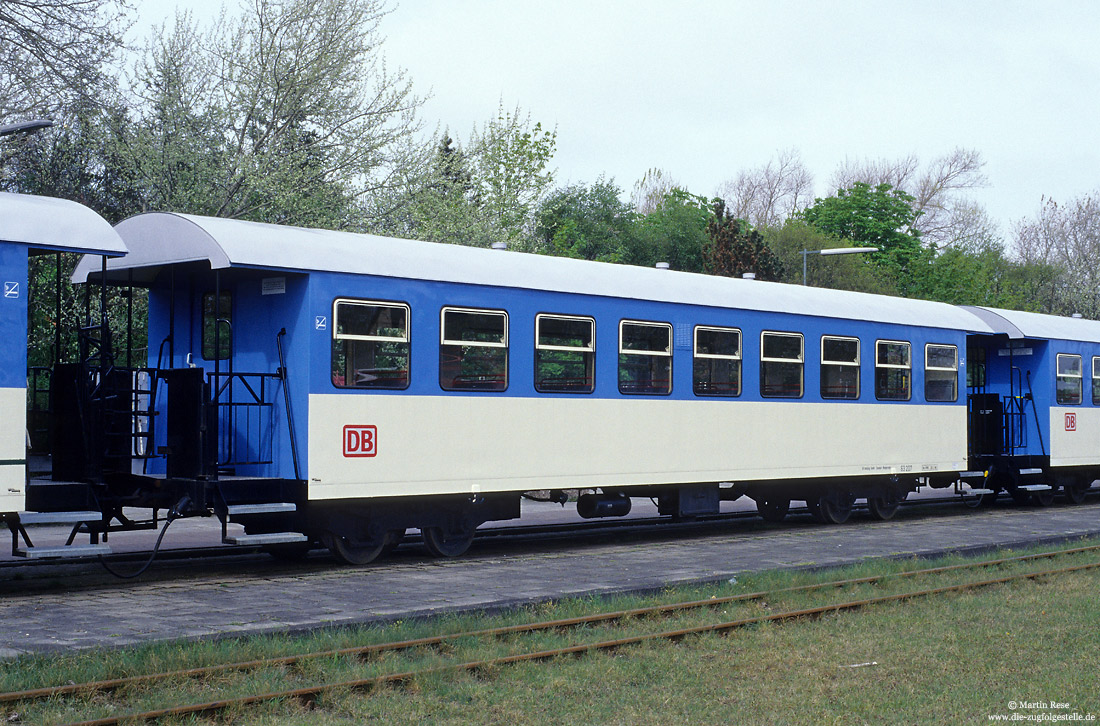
(286, 398)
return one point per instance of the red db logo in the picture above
(360, 441)
(1071, 422)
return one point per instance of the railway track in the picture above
(649, 623)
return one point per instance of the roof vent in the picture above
(748, 276)
(1077, 316)
(661, 265)
(498, 246)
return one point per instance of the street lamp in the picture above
(833, 251)
(25, 126)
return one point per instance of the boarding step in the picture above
(1035, 487)
(63, 551)
(266, 539)
(237, 510)
(26, 518)
(979, 491)
(1030, 472)
(971, 474)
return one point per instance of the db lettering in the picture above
(360, 441)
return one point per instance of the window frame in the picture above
(1079, 377)
(590, 349)
(667, 353)
(894, 366)
(738, 357)
(857, 365)
(444, 341)
(407, 339)
(226, 340)
(764, 360)
(1096, 380)
(954, 370)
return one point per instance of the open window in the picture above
(839, 367)
(473, 350)
(645, 357)
(370, 344)
(565, 353)
(717, 362)
(893, 370)
(781, 364)
(941, 373)
(1069, 380)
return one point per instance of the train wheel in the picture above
(447, 544)
(884, 507)
(834, 508)
(773, 510)
(344, 550)
(1075, 493)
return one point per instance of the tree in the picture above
(52, 53)
(650, 190)
(585, 222)
(675, 231)
(880, 217)
(1066, 238)
(285, 114)
(839, 272)
(768, 195)
(735, 248)
(477, 193)
(944, 216)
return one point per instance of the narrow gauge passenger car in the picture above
(426, 385)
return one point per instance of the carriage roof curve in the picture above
(56, 224)
(160, 238)
(1019, 324)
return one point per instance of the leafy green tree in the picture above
(735, 248)
(675, 231)
(585, 222)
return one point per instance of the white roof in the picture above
(56, 224)
(1018, 324)
(158, 239)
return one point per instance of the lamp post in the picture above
(25, 127)
(833, 251)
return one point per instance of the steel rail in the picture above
(311, 693)
(366, 651)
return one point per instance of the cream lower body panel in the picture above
(1074, 436)
(13, 449)
(475, 444)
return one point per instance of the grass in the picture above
(940, 660)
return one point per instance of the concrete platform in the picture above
(494, 576)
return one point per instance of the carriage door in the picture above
(985, 409)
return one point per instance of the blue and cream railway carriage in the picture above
(431, 384)
(31, 225)
(320, 386)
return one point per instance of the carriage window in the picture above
(893, 370)
(473, 350)
(370, 344)
(717, 369)
(941, 373)
(1069, 380)
(565, 352)
(975, 367)
(1096, 381)
(839, 367)
(645, 357)
(224, 331)
(781, 364)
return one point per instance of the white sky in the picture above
(705, 89)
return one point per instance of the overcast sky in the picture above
(702, 90)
